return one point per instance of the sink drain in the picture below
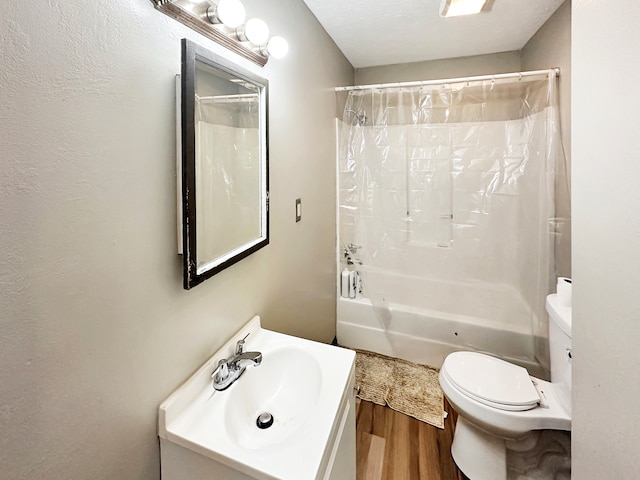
(264, 420)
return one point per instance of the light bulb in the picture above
(230, 12)
(277, 47)
(256, 31)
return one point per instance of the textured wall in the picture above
(606, 239)
(436, 69)
(95, 328)
(550, 47)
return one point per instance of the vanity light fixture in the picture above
(255, 31)
(223, 21)
(456, 8)
(228, 12)
(277, 47)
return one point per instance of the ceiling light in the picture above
(229, 12)
(255, 31)
(455, 8)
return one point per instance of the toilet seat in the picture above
(491, 381)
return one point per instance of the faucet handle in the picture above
(353, 248)
(240, 345)
(222, 370)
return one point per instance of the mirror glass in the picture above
(224, 163)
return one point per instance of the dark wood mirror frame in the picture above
(191, 55)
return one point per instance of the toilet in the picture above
(500, 406)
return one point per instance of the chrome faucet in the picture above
(350, 252)
(230, 370)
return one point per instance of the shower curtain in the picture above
(227, 173)
(454, 183)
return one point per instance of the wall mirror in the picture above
(224, 164)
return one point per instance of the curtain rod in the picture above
(497, 76)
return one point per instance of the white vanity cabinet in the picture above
(307, 386)
(339, 462)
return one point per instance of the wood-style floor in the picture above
(394, 446)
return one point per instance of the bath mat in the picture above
(407, 387)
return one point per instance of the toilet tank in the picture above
(560, 349)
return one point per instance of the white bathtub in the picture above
(427, 335)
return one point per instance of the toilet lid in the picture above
(491, 381)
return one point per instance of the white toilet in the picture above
(501, 406)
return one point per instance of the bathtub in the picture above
(448, 317)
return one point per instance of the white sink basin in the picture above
(286, 385)
(299, 382)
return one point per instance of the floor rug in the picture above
(407, 387)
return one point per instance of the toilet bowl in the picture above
(501, 406)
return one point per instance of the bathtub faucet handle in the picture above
(350, 254)
(353, 248)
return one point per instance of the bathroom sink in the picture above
(286, 385)
(305, 386)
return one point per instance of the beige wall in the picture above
(95, 328)
(606, 240)
(550, 47)
(435, 69)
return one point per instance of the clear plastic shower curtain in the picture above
(446, 200)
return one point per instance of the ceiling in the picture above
(384, 32)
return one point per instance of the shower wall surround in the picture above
(454, 184)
